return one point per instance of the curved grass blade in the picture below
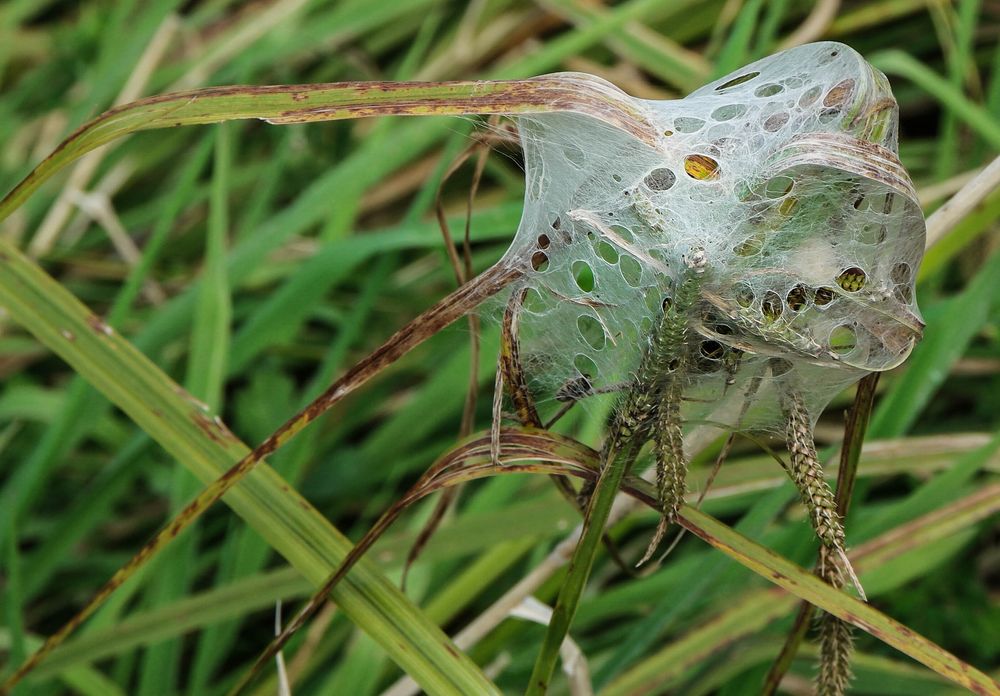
(738, 622)
(463, 272)
(556, 453)
(807, 586)
(204, 445)
(288, 104)
(305, 103)
(897, 62)
(543, 452)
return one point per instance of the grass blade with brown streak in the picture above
(306, 103)
(543, 452)
(203, 444)
(289, 104)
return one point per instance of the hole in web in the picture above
(543, 241)
(583, 274)
(852, 279)
(810, 96)
(591, 331)
(539, 261)
(744, 295)
(824, 296)
(721, 328)
(687, 124)
(736, 81)
(710, 355)
(797, 297)
(729, 111)
(607, 252)
(776, 122)
(900, 273)
(585, 366)
(631, 270)
(843, 340)
(770, 305)
(839, 94)
(712, 350)
(768, 90)
(701, 167)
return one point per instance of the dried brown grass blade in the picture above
(463, 271)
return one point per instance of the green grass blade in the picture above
(207, 364)
(160, 666)
(960, 60)
(178, 617)
(595, 517)
(956, 322)
(879, 562)
(13, 598)
(82, 679)
(180, 425)
(980, 221)
(670, 608)
(82, 407)
(895, 62)
(95, 504)
(531, 451)
(657, 54)
(807, 586)
(749, 614)
(736, 49)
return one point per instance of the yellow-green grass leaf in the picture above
(203, 444)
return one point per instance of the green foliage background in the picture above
(271, 259)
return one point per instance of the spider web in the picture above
(785, 175)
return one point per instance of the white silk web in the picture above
(785, 176)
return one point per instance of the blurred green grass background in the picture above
(276, 257)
